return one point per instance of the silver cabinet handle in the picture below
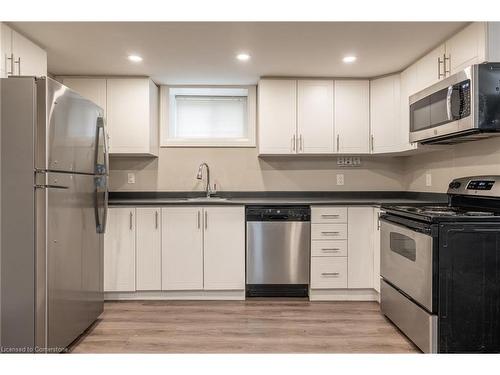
(300, 142)
(156, 219)
(11, 58)
(329, 215)
(338, 142)
(334, 274)
(130, 223)
(293, 143)
(198, 219)
(439, 68)
(371, 140)
(206, 220)
(331, 249)
(333, 233)
(446, 72)
(19, 65)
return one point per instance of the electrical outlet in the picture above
(428, 179)
(356, 161)
(340, 179)
(131, 178)
(340, 161)
(348, 161)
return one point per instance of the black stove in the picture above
(440, 268)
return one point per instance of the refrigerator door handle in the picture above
(100, 168)
(101, 181)
(106, 171)
(105, 214)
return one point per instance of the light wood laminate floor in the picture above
(252, 326)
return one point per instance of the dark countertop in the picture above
(275, 198)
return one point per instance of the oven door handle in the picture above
(422, 230)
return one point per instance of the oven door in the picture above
(406, 261)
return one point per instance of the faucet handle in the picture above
(214, 190)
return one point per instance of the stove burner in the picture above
(442, 211)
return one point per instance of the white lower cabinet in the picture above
(360, 248)
(329, 273)
(182, 248)
(224, 248)
(148, 248)
(342, 253)
(376, 249)
(203, 248)
(119, 250)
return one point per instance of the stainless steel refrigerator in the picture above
(54, 178)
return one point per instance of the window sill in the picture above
(209, 144)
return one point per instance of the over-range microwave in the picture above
(462, 107)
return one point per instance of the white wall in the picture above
(464, 159)
(240, 169)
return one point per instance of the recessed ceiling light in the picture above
(135, 58)
(243, 56)
(349, 59)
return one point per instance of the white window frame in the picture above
(165, 118)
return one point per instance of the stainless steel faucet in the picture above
(199, 176)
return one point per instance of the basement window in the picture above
(208, 116)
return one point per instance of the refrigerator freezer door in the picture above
(74, 257)
(67, 129)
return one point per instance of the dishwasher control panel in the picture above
(278, 213)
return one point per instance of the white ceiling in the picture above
(204, 52)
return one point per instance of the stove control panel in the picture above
(480, 184)
(485, 186)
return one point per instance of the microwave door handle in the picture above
(448, 103)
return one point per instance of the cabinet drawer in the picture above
(328, 272)
(337, 248)
(329, 231)
(329, 215)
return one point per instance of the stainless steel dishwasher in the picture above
(278, 251)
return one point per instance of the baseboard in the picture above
(215, 295)
(343, 295)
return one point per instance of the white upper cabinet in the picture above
(477, 43)
(352, 116)
(29, 59)
(430, 68)
(7, 64)
(148, 248)
(315, 117)
(224, 248)
(385, 103)
(90, 88)
(20, 56)
(277, 106)
(408, 86)
(119, 250)
(132, 116)
(182, 248)
(131, 110)
(467, 47)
